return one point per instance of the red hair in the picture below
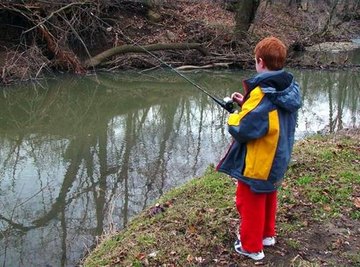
(272, 51)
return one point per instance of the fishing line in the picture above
(226, 103)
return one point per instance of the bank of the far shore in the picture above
(195, 225)
(215, 34)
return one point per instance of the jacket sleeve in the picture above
(252, 121)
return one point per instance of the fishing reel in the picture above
(230, 105)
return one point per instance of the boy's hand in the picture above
(237, 97)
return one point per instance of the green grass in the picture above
(305, 180)
(200, 208)
(200, 222)
(293, 243)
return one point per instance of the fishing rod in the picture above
(227, 103)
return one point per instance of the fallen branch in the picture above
(96, 60)
(209, 66)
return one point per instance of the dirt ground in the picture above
(315, 244)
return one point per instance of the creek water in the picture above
(80, 156)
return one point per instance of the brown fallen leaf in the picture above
(357, 202)
(141, 256)
(327, 208)
(190, 258)
(191, 229)
(211, 210)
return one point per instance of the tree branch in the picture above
(96, 60)
(53, 13)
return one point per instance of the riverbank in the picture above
(195, 225)
(115, 31)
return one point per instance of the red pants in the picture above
(257, 214)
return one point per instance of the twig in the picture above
(209, 66)
(52, 14)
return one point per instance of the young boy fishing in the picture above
(263, 137)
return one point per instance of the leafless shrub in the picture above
(25, 65)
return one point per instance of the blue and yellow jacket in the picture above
(263, 131)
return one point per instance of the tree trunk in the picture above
(245, 14)
(66, 59)
(330, 17)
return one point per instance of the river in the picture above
(80, 156)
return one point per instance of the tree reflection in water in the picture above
(81, 158)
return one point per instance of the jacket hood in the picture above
(279, 86)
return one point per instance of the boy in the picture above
(263, 133)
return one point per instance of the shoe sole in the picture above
(237, 246)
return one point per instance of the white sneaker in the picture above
(269, 241)
(253, 255)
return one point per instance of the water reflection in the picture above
(330, 101)
(86, 154)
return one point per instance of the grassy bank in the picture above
(195, 225)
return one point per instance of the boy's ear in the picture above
(261, 63)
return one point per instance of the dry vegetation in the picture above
(38, 38)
